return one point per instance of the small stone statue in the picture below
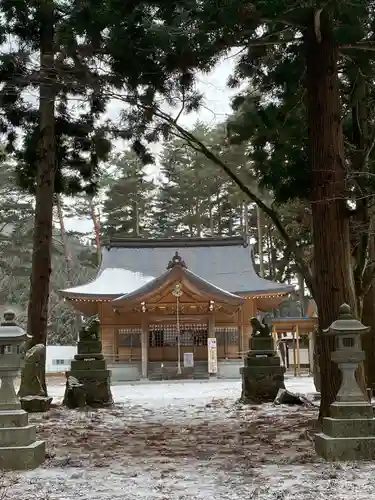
(32, 370)
(260, 329)
(32, 394)
(91, 330)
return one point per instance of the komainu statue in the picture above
(260, 329)
(90, 331)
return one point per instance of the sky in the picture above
(214, 110)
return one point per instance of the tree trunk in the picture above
(68, 259)
(137, 231)
(37, 319)
(260, 226)
(368, 319)
(67, 254)
(212, 222)
(95, 221)
(368, 341)
(333, 280)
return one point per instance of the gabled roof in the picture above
(177, 271)
(110, 283)
(225, 263)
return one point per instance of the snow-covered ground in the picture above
(185, 441)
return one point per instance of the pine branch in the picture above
(369, 46)
(270, 212)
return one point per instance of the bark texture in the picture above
(37, 320)
(333, 280)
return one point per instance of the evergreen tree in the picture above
(60, 149)
(271, 32)
(127, 209)
(195, 198)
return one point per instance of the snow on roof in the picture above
(111, 281)
(225, 263)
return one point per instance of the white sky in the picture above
(214, 110)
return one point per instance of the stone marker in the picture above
(262, 375)
(349, 433)
(32, 395)
(19, 449)
(88, 381)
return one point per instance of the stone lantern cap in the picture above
(346, 324)
(9, 331)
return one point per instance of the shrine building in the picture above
(160, 300)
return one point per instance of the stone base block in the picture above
(89, 364)
(261, 384)
(17, 436)
(262, 361)
(13, 418)
(88, 348)
(96, 387)
(89, 374)
(36, 404)
(262, 344)
(344, 449)
(351, 410)
(349, 427)
(22, 457)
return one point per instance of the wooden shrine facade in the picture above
(175, 312)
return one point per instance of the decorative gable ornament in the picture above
(176, 262)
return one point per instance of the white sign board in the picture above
(188, 360)
(212, 355)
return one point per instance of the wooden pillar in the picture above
(107, 333)
(311, 352)
(241, 335)
(144, 346)
(211, 326)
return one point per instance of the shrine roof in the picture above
(225, 263)
(182, 272)
(112, 282)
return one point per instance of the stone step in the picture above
(13, 418)
(22, 457)
(349, 427)
(92, 364)
(352, 410)
(17, 436)
(345, 448)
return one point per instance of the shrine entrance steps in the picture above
(167, 370)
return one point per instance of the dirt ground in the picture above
(184, 441)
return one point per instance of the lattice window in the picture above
(167, 336)
(227, 335)
(129, 337)
(193, 335)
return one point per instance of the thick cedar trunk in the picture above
(368, 319)
(333, 280)
(361, 221)
(368, 341)
(37, 319)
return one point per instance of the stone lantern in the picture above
(349, 432)
(18, 446)
(12, 340)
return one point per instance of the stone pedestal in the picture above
(19, 449)
(262, 375)
(90, 369)
(349, 432)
